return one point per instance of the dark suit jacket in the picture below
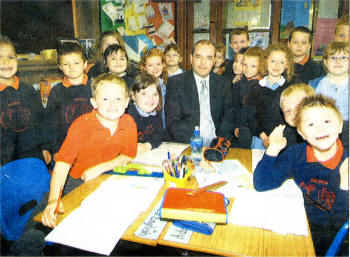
(182, 112)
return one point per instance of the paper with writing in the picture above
(153, 226)
(179, 235)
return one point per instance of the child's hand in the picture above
(46, 156)
(265, 139)
(236, 132)
(90, 174)
(49, 218)
(277, 141)
(143, 147)
(344, 175)
(236, 78)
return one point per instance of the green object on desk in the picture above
(132, 167)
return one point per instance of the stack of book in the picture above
(179, 204)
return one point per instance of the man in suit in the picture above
(199, 98)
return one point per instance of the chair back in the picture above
(23, 183)
(333, 250)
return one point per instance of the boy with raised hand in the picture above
(69, 99)
(342, 29)
(305, 69)
(319, 167)
(21, 111)
(96, 142)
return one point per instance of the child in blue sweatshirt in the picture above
(319, 167)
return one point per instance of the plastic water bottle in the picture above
(196, 146)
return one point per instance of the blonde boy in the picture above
(319, 168)
(96, 142)
(342, 29)
(299, 42)
(291, 97)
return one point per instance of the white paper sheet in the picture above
(156, 156)
(103, 217)
(280, 210)
(238, 177)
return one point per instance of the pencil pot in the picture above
(173, 181)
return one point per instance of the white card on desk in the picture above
(153, 226)
(179, 235)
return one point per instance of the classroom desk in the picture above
(228, 240)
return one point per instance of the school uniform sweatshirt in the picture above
(66, 102)
(266, 103)
(149, 126)
(307, 70)
(22, 114)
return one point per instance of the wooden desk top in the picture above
(228, 240)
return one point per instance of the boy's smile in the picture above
(8, 64)
(238, 42)
(250, 66)
(110, 101)
(320, 127)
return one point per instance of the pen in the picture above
(206, 188)
(168, 155)
(59, 199)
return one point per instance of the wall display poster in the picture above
(247, 12)
(325, 28)
(112, 14)
(254, 14)
(156, 20)
(201, 14)
(294, 14)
